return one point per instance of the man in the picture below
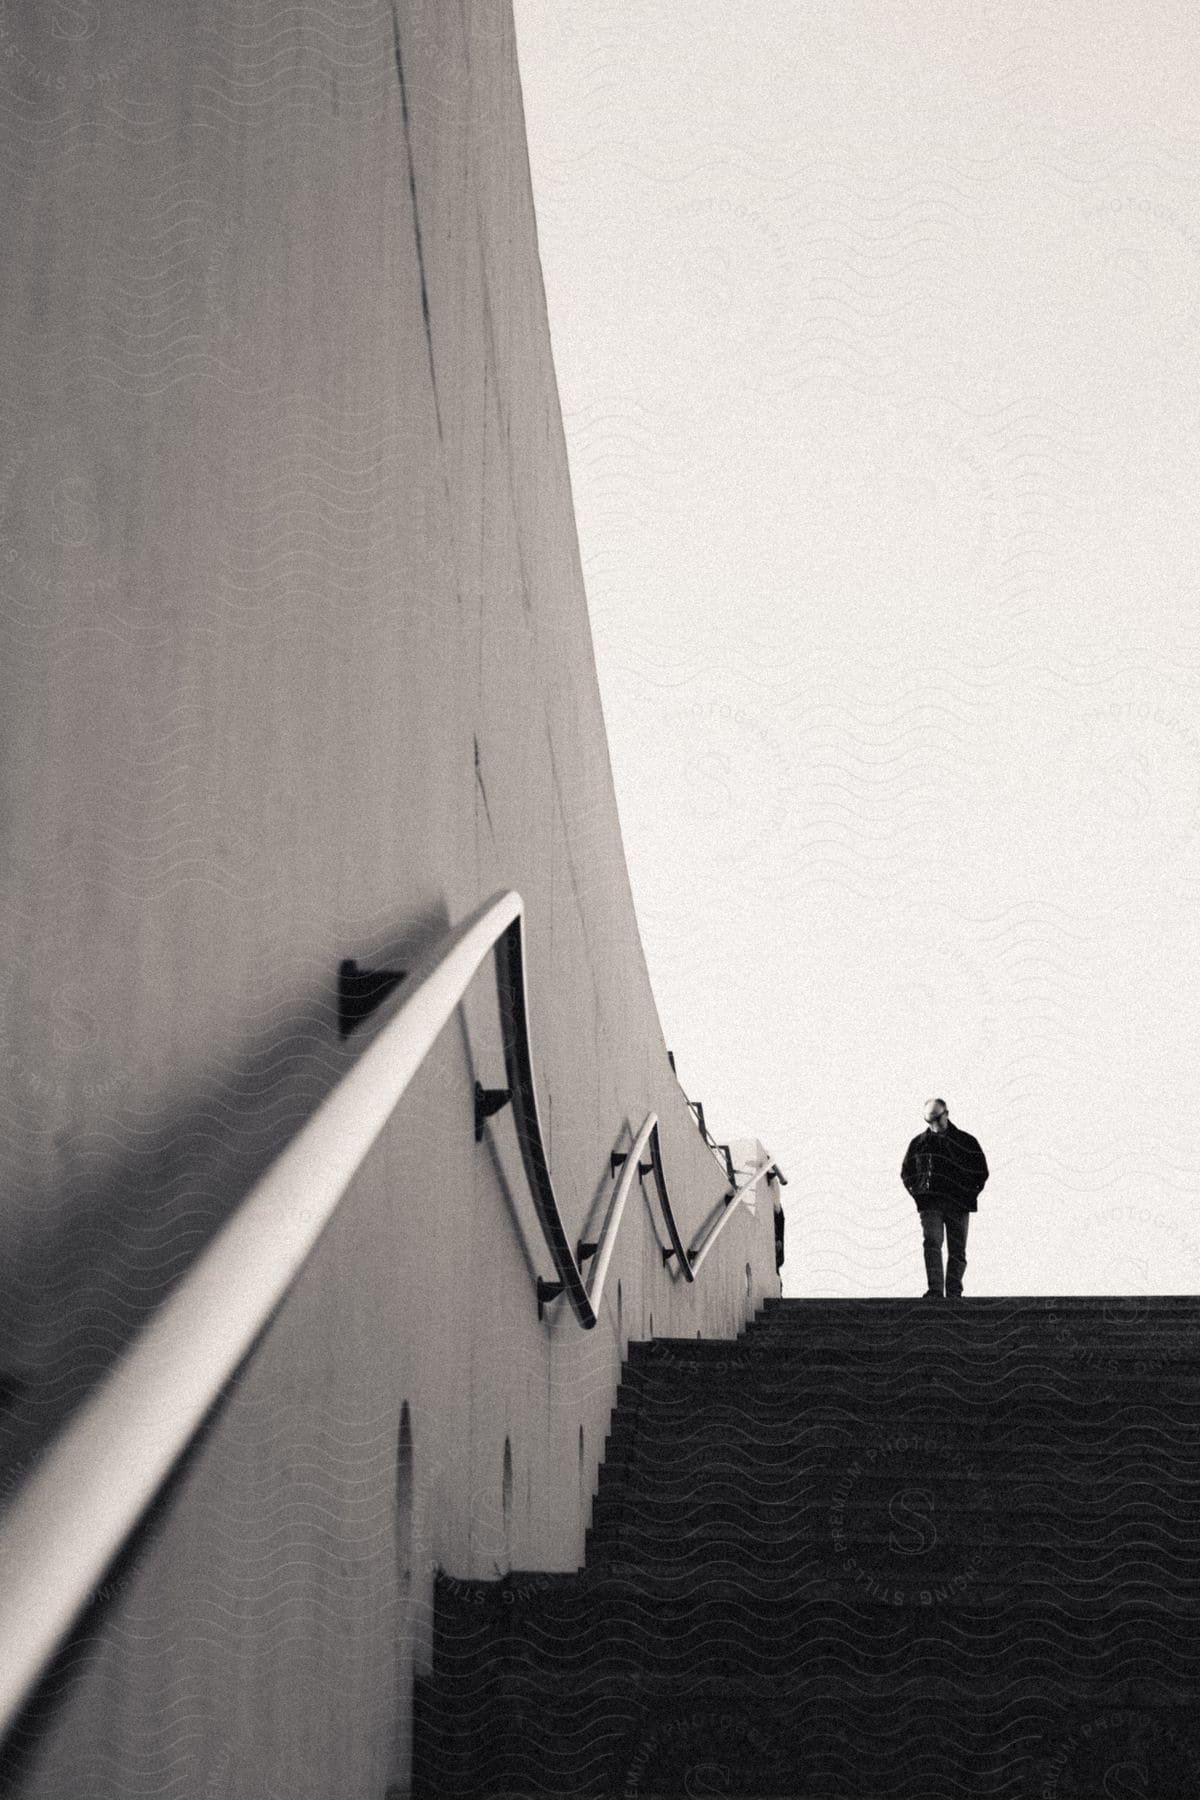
(944, 1170)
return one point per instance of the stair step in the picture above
(865, 1516)
(1108, 1308)
(775, 1479)
(756, 1414)
(652, 1737)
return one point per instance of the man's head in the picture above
(936, 1116)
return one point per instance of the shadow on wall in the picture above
(112, 1250)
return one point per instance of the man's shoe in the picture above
(932, 1294)
(952, 1295)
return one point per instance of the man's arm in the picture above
(908, 1168)
(981, 1160)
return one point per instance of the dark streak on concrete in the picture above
(462, 19)
(412, 188)
(505, 421)
(482, 789)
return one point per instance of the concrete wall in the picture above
(295, 665)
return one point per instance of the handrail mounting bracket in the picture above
(487, 1102)
(360, 991)
(547, 1291)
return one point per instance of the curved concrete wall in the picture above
(296, 666)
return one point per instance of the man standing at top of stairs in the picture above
(944, 1169)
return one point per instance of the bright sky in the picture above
(877, 331)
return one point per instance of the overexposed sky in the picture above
(877, 332)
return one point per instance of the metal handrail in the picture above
(631, 1161)
(518, 1062)
(696, 1257)
(675, 1248)
(631, 1164)
(96, 1481)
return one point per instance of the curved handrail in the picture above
(612, 1224)
(632, 1164)
(696, 1257)
(518, 1062)
(676, 1250)
(95, 1482)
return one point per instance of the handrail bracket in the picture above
(618, 1158)
(360, 991)
(487, 1102)
(668, 1253)
(547, 1291)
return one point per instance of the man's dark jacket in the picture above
(945, 1169)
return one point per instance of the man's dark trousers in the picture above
(955, 1222)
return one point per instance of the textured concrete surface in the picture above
(296, 666)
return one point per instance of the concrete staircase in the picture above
(872, 1548)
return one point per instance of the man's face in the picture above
(937, 1118)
